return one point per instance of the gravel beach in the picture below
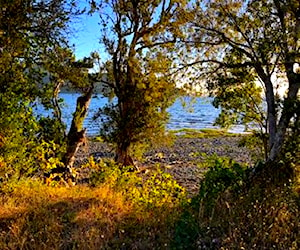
(183, 159)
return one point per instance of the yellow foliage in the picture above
(114, 213)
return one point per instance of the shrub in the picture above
(119, 210)
(223, 174)
(241, 211)
(197, 221)
(154, 189)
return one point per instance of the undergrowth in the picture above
(116, 210)
(238, 208)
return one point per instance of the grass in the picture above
(191, 133)
(129, 212)
(203, 133)
(36, 216)
(97, 139)
(120, 212)
(258, 212)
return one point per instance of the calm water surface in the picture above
(196, 115)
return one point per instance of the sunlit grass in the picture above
(36, 214)
(202, 133)
(124, 210)
(114, 214)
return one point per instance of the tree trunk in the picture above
(125, 105)
(123, 157)
(289, 110)
(289, 52)
(271, 110)
(75, 140)
(76, 135)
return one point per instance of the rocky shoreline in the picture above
(183, 159)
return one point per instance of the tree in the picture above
(139, 36)
(63, 70)
(29, 29)
(268, 41)
(240, 99)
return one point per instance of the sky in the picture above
(85, 34)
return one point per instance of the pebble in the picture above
(183, 159)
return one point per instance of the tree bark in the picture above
(271, 110)
(290, 102)
(123, 157)
(76, 135)
(289, 110)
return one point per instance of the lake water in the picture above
(196, 115)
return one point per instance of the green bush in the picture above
(257, 143)
(187, 228)
(223, 174)
(197, 219)
(154, 189)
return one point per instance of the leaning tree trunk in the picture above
(76, 135)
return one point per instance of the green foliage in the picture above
(32, 159)
(236, 92)
(29, 31)
(52, 129)
(105, 171)
(47, 156)
(239, 53)
(157, 189)
(35, 61)
(160, 189)
(139, 72)
(223, 174)
(187, 228)
(256, 140)
(18, 133)
(132, 210)
(238, 209)
(198, 217)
